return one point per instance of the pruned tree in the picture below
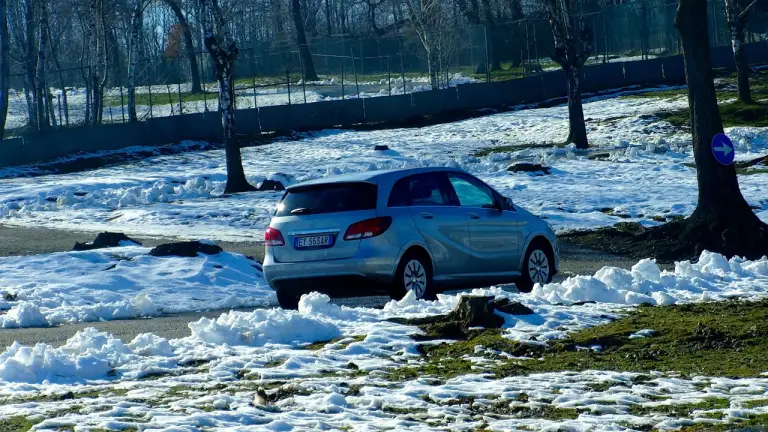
(737, 13)
(723, 221)
(573, 47)
(307, 64)
(223, 51)
(5, 65)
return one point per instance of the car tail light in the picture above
(273, 237)
(368, 228)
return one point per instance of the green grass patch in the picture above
(17, 424)
(680, 410)
(755, 403)
(746, 171)
(714, 339)
(322, 344)
(657, 94)
(733, 114)
(757, 422)
(161, 98)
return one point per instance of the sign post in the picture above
(722, 149)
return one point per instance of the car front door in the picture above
(441, 222)
(495, 234)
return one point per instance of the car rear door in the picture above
(313, 220)
(441, 222)
(495, 235)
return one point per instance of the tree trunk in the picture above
(133, 59)
(41, 93)
(737, 21)
(194, 70)
(64, 103)
(223, 51)
(308, 65)
(577, 129)
(723, 221)
(5, 65)
(30, 62)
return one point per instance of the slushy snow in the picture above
(208, 379)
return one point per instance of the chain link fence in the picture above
(353, 67)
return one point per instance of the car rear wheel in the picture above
(287, 300)
(414, 274)
(537, 267)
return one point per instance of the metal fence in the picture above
(347, 67)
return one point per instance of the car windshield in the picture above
(328, 198)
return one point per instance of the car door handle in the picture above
(473, 215)
(426, 215)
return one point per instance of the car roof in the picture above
(372, 176)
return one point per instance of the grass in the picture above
(17, 424)
(714, 339)
(681, 410)
(320, 345)
(162, 98)
(754, 424)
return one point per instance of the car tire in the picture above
(538, 266)
(414, 273)
(287, 300)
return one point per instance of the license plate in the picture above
(313, 242)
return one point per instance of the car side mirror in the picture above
(507, 204)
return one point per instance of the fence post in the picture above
(58, 99)
(122, 104)
(288, 80)
(253, 78)
(303, 77)
(181, 101)
(389, 77)
(487, 60)
(354, 70)
(342, 75)
(150, 91)
(402, 68)
(170, 99)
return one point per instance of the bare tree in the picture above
(41, 93)
(723, 221)
(5, 65)
(737, 12)
(573, 47)
(223, 50)
(98, 61)
(427, 21)
(133, 55)
(188, 45)
(307, 64)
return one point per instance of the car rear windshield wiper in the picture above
(301, 210)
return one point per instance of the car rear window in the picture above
(328, 198)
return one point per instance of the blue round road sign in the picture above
(722, 148)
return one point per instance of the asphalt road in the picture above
(25, 241)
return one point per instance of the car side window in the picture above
(471, 192)
(421, 190)
(400, 195)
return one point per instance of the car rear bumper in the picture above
(342, 277)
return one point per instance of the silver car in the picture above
(390, 232)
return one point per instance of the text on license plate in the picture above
(314, 241)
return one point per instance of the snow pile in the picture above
(712, 277)
(261, 327)
(125, 282)
(88, 355)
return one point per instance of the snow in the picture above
(646, 177)
(125, 282)
(243, 351)
(713, 277)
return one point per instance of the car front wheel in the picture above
(537, 267)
